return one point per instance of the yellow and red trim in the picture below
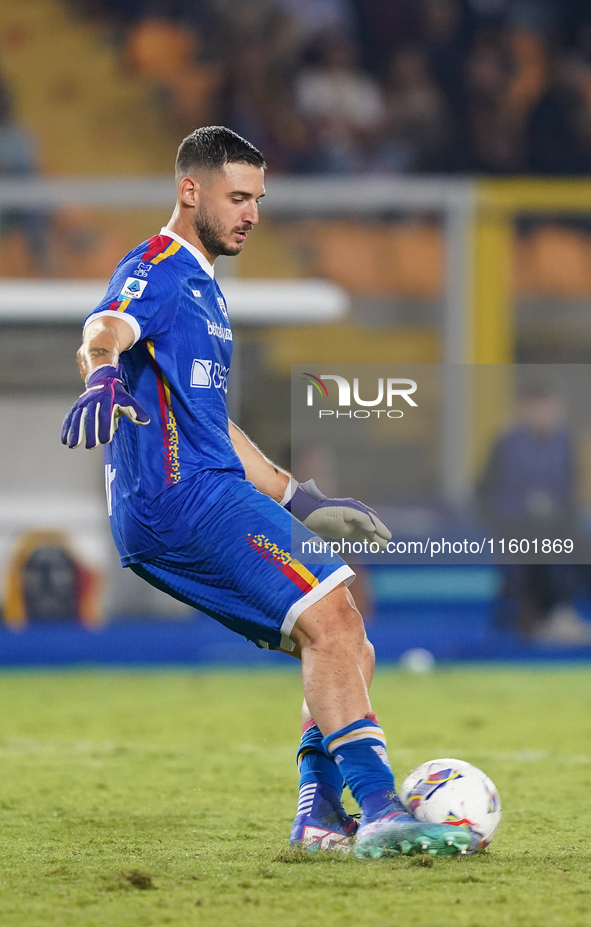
(299, 575)
(160, 247)
(170, 432)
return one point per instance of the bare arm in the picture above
(104, 340)
(266, 476)
(95, 415)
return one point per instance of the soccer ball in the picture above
(454, 792)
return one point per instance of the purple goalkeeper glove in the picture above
(97, 411)
(336, 518)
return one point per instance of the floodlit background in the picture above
(429, 201)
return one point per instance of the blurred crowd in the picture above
(338, 86)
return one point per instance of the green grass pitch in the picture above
(153, 798)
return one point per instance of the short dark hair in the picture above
(211, 147)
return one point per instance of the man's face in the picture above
(228, 207)
(542, 415)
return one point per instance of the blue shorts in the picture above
(236, 566)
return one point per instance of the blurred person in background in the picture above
(494, 134)
(531, 14)
(382, 26)
(175, 46)
(341, 106)
(19, 161)
(265, 23)
(576, 17)
(120, 15)
(534, 15)
(314, 18)
(256, 102)
(446, 38)
(306, 79)
(560, 124)
(527, 490)
(257, 97)
(416, 118)
(486, 12)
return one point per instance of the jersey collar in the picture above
(207, 267)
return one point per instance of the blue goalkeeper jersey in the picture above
(163, 477)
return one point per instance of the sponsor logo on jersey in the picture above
(222, 306)
(218, 331)
(220, 376)
(142, 269)
(196, 293)
(132, 288)
(201, 374)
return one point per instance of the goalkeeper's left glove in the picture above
(335, 518)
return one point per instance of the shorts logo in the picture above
(142, 269)
(282, 559)
(222, 306)
(201, 373)
(132, 288)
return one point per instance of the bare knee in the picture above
(333, 621)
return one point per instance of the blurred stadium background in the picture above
(429, 201)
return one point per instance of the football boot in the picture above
(321, 822)
(393, 832)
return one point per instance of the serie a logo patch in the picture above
(133, 288)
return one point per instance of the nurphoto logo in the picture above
(386, 389)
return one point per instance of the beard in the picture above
(210, 232)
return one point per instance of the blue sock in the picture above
(359, 750)
(313, 762)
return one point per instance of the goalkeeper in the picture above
(200, 513)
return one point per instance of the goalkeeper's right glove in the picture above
(96, 412)
(335, 518)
